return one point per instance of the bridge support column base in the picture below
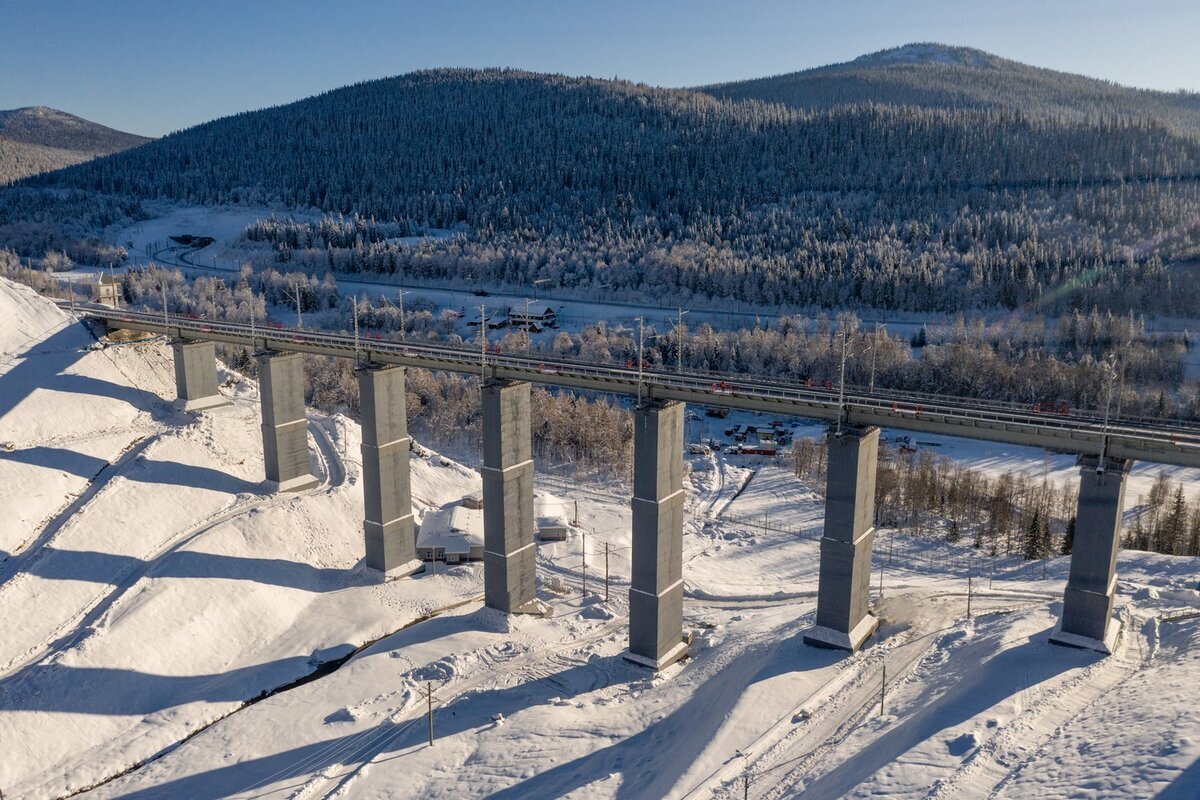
(297, 484)
(204, 403)
(1107, 645)
(830, 639)
(196, 375)
(676, 653)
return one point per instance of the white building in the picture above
(553, 517)
(453, 533)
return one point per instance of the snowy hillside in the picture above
(152, 587)
(39, 139)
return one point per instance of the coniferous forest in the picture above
(610, 187)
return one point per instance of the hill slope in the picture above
(38, 139)
(603, 186)
(940, 76)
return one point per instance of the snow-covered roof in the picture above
(551, 511)
(453, 527)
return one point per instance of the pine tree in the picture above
(1032, 546)
(1068, 542)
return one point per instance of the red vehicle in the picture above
(206, 329)
(547, 370)
(827, 384)
(1062, 409)
(632, 364)
(191, 315)
(375, 336)
(721, 387)
(273, 324)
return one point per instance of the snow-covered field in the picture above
(152, 589)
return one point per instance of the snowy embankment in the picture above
(149, 581)
(152, 585)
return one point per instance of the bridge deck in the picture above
(1160, 441)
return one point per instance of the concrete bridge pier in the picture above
(387, 497)
(656, 583)
(196, 375)
(284, 426)
(1087, 603)
(509, 564)
(843, 593)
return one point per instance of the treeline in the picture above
(1008, 364)
(1079, 362)
(609, 187)
(1009, 514)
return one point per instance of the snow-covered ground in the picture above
(152, 589)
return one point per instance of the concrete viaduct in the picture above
(1106, 452)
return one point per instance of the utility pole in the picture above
(679, 341)
(745, 774)
(163, 285)
(881, 580)
(71, 290)
(969, 592)
(400, 297)
(584, 548)
(883, 689)
(1112, 374)
(482, 341)
(641, 345)
(874, 347)
(116, 295)
(354, 302)
(606, 549)
(299, 315)
(429, 701)
(841, 387)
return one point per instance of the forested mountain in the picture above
(39, 139)
(603, 186)
(939, 76)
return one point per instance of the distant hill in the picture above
(940, 76)
(608, 186)
(38, 139)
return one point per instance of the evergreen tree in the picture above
(1068, 542)
(1032, 545)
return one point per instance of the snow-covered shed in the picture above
(452, 534)
(553, 516)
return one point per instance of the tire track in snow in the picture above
(90, 617)
(31, 549)
(1002, 757)
(331, 781)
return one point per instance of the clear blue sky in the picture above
(153, 67)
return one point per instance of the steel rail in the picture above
(1168, 443)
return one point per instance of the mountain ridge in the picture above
(935, 75)
(36, 139)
